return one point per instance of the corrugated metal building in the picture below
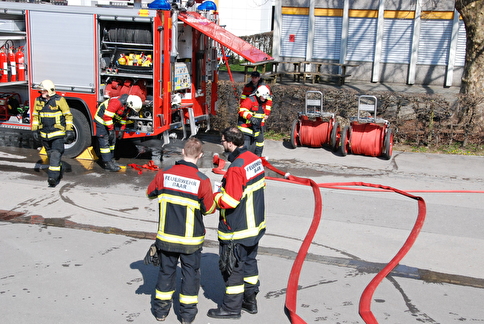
(413, 42)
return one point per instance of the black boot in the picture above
(52, 182)
(110, 166)
(250, 304)
(221, 313)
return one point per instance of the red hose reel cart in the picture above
(367, 135)
(314, 127)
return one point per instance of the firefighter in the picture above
(252, 85)
(52, 124)
(253, 112)
(242, 224)
(184, 195)
(110, 113)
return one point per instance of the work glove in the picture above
(152, 256)
(228, 258)
(69, 137)
(36, 135)
(255, 121)
(112, 135)
(120, 134)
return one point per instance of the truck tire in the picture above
(82, 139)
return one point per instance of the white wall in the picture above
(241, 18)
(247, 17)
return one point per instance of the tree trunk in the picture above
(472, 13)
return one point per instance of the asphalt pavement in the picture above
(73, 254)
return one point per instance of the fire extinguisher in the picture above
(11, 61)
(20, 60)
(3, 66)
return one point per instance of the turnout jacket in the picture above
(251, 107)
(52, 117)
(184, 196)
(250, 88)
(113, 111)
(241, 199)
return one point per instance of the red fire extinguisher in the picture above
(20, 60)
(11, 61)
(3, 66)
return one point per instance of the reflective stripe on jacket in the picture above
(184, 195)
(241, 200)
(249, 108)
(52, 117)
(112, 111)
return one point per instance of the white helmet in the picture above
(134, 102)
(48, 86)
(263, 92)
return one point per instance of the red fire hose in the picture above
(367, 139)
(293, 281)
(149, 166)
(314, 133)
(366, 297)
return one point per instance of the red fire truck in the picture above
(168, 56)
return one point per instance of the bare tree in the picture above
(471, 12)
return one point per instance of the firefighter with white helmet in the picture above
(253, 112)
(52, 124)
(111, 114)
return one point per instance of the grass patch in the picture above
(457, 149)
(233, 68)
(274, 135)
(240, 68)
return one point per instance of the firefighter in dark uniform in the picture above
(252, 85)
(253, 113)
(110, 113)
(185, 195)
(241, 226)
(52, 124)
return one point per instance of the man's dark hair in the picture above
(255, 74)
(234, 135)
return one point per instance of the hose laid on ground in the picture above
(347, 186)
(366, 297)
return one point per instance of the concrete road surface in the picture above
(73, 254)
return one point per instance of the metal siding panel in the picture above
(298, 26)
(327, 38)
(361, 39)
(62, 54)
(397, 41)
(460, 55)
(434, 42)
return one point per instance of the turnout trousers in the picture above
(244, 280)
(54, 149)
(255, 143)
(190, 283)
(106, 147)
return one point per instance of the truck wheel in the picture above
(82, 139)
